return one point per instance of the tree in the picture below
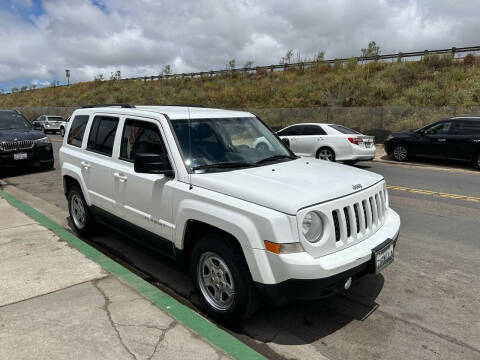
(98, 78)
(248, 64)
(23, 88)
(371, 50)
(231, 65)
(167, 70)
(287, 59)
(320, 56)
(115, 75)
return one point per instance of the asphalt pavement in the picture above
(424, 306)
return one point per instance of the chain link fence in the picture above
(378, 121)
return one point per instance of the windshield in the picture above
(11, 121)
(227, 143)
(55, 118)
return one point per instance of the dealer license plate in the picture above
(368, 144)
(384, 257)
(19, 156)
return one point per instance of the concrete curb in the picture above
(180, 312)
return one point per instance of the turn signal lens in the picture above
(289, 248)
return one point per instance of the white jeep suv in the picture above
(245, 221)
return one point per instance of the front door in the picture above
(434, 141)
(464, 139)
(146, 199)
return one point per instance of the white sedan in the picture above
(329, 142)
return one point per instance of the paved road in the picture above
(426, 305)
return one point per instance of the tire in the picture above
(76, 202)
(62, 131)
(400, 152)
(48, 165)
(214, 252)
(325, 153)
(262, 146)
(350, 162)
(476, 161)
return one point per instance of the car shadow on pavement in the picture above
(296, 323)
(10, 172)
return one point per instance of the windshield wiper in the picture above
(273, 158)
(224, 165)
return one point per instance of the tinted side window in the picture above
(466, 127)
(77, 130)
(313, 130)
(102, 134)
(441, 128)
(140, 137)
(292, 130)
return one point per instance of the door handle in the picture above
(476, 141)
(120, 177)
(441, 140)
(85, 165)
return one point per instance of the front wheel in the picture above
(476, 161)
(400, 152)
(81, 217)
(326, 154)
(222, 279)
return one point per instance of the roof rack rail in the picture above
(127, 106)
(183, 105)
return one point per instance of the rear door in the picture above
(146, 199)
(98, 164)
(464, 139)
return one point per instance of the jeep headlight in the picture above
(312, 226)
(44, 140)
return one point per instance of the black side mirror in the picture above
(147, 163)
(286, 142)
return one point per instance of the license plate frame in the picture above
(20, 156)
(383, 255)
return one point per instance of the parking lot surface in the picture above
(424, 306)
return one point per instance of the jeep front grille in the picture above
(17, 145)
(359, 218)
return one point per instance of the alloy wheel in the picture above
(78, 211)
(400, 153)
(215, 281)
(325, 154)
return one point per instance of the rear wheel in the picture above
(62, 131)
(326, 154)
(222, 279)
(81, 217)
(400, 152)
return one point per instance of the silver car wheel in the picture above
(400, 153)
(215, 281)
(325, 154)
(77, 211)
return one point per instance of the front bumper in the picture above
(39, 153)
(300, 276)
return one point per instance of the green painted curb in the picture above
(182, 313)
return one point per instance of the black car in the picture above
(457, 138)
(20, 144)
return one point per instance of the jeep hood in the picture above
(288, 186)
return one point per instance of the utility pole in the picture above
(67, 74)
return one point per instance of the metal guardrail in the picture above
(297, 65)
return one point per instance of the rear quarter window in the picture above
(343, 129)
(77, 130)
(102, 134)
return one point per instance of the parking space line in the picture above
(182, 313)
(434, 193)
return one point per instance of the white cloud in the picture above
(140, 37)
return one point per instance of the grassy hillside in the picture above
(436, 81)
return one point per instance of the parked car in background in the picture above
(329, 142)
(456, 138)
(20, 144)
(50, 123)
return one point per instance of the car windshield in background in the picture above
(13, 121)
(343, 129)
(227, 143)
(55, 118)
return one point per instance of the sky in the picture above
(42, 38)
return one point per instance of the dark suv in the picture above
(457, 138)
(20, 144)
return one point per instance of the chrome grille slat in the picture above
(356, 220)
(17, 145)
